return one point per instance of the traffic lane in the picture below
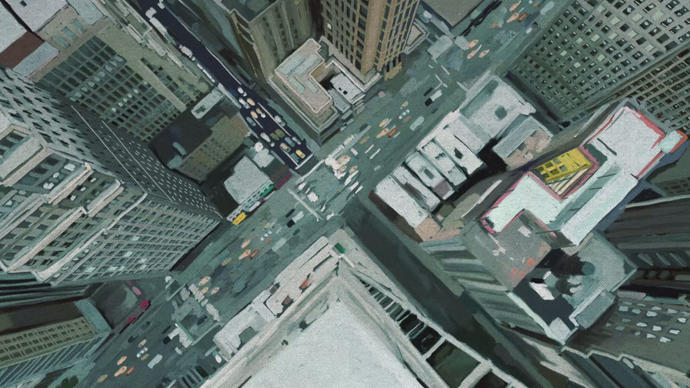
(217, 69)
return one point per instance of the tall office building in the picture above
(38, 340)
(21, 289)
(674, 179)
(652, 333)
(527, 252)
(665, 87)
(369, 34)
(258, 33)
(108, 60)
(333, 313)
(656, 236)
(593, 48)
(81, 201)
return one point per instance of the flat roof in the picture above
(627, 145)
(245, 180)
(10, 29)
(36, 13)
(517, 132)
(399, 200)
(296, 73)
(452, 11)
(323, 354)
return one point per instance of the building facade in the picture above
(674, 179)
(20, 289)
(593, 48)
(652, 333)
(335, 312)
(109, 62)
(369, 35)
(82, 201)
(39, 340)
(260, 34)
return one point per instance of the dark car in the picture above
(428, 101)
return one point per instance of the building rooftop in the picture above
(10, 29)
(296, 72)
(492, 105)
(247, 8)
(399, 200)
(329, 344)
(516, 134)
(36, 13)
(622, 150)
(451, 11)
(245, 180)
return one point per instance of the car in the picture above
(130, 370)
(155, 360)
(251, 102)
(278, 119)
(145, 357)
(290, 223)
(121, 360)
(289, 213)
(241, 92)
(384, 122)
(166, 340)
(428, 91)
(279, 133)
(142, 351)
(300, 154)
(261, 113)
(274, 136)
(284, 147)
(249, 121)
(254, 115)
(243, 103)
(120, 371)
(392, 132)
(265, 137)
(289, 142)
(428, 101)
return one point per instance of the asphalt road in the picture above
(261, 125)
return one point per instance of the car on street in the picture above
(243, 103)
(279, 133)
(392, 132)
(300, 154)
(155, 360)
(142, 343)
(121, 360)
(261, 113)
(254, 115)
(130, 370)
(241, 91)
(284, 147)
(251, 102)
(290, 142)
(142, 351)
(249, 121)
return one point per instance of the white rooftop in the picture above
(10, 29)
(630, 143)
(338, 349)
(399, 200)
(245, 180)
(36, 13)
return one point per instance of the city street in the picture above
(243, 260)
(265, 123)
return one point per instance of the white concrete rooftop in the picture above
(338, 349)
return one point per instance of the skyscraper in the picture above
(651, 332)
(593, 48)
(112, 64)
(369, 34)
(20, 289)
(38, 340)
(656, 236)
(260, 33)
(511, 254)
(81, 201)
